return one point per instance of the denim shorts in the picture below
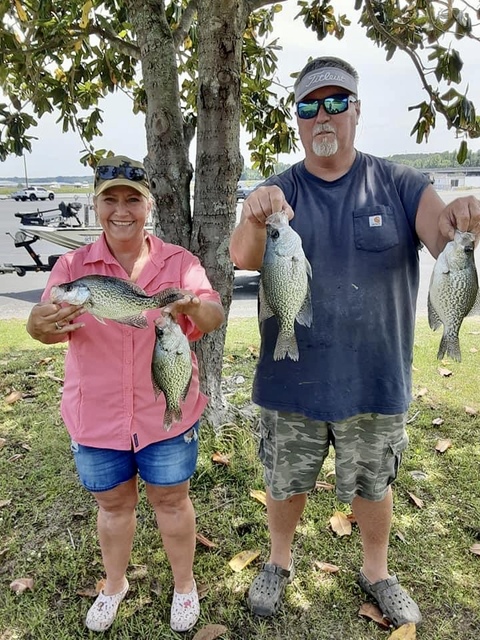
(368, 451)
(165, 463)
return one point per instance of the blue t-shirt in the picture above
(358, 232)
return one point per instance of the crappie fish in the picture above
(171, 368)
(284, 290)
(453, 291)
(107, 297)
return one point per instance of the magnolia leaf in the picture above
(14, 396)
(418, 475)
(340, 524)
(261, 496)
(324, 485)
(221, 458)
(471, 411)
(210, 632)
(444, 372)
(438, 421)
(5, 503)
(326, 567)
(475, 549)
(473, 350)
(15, 457)
(421, 392)
(405, 632)
(329, 473)
(372, 612)
(443, 445)
(21, 584)
(205, 541)
(243, 559)
(416, 501)
(351, 518)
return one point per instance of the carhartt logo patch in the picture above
(375, 221)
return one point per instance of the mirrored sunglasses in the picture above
(338, 103)
(109, 172)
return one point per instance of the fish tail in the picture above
(171, 415)
(286, 346)
(450, 346)
(167, 296)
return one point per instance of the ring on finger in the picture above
(58, 326)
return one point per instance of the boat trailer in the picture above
(20, 239)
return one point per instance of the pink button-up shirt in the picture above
(108, 399)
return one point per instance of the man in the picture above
(362, 221)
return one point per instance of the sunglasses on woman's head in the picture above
(109, 172)
(338, 103)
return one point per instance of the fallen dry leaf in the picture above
(5, 503)
(418, 502)
(444, 372)
(475, 549)
(15, 457)
(3, 442)
(210, 632)
(21, 584)
(242, 559)
(351, 518)
(327, 486)
(401, 537)
(340, 524)
(405, 632)
(45, 360)
(443, 445)
(14, 396)
(421, 392)
(438, 421)
(372, 612)
(326, 567)
(221, 458)
(471, 411)
(261, 496)
(205, 541)
(329, 473)
(100, 585)
(473, 350)
(87, 593)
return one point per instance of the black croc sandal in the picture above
(393, 601)
(266, 592)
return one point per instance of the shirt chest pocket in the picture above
(375, 228)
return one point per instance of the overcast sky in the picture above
(387, 89)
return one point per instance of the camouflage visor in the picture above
(326, 77)
(118, 171)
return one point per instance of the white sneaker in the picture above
(103, 611)
(185, 610)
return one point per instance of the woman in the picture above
(108, 403)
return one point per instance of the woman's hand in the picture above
(50, 322)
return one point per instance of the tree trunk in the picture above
(167, 162)
(218, 165)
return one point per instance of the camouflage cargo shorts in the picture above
(368, 451)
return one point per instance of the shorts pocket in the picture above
(392, 460)
(375, 228)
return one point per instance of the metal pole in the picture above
(25, 168)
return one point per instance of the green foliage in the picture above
(443, 160)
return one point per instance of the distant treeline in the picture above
(436, 160)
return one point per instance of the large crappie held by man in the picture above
(453, 292)
(284, 287)
(107, 297)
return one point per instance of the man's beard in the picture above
(324, 148)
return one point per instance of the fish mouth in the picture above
(468, 249)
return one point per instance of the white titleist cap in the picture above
(325, 77)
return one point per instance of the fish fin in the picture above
(139, 321)
(475, 310)
(308, 267)
(305, 315)
(167, 296)
(433, 318)
(156, 389)
(265, 310)
(286, 346)
(450, 346)
(187, 388)
(171, 416)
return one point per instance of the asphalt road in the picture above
(18, 294)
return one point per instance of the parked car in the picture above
(33, 193)
(243, 191)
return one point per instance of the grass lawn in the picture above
(48, 533)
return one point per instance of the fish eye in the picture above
(274, 234)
